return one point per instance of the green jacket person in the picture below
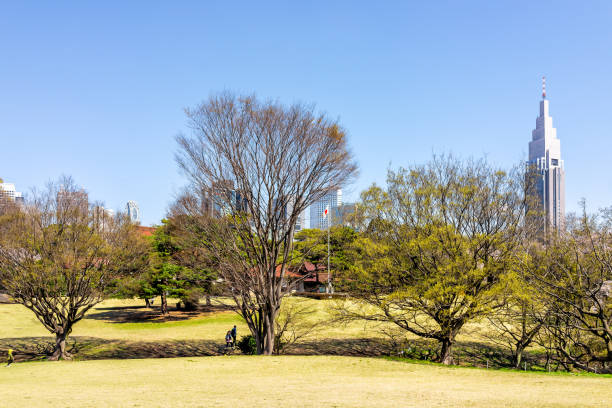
(10, 359)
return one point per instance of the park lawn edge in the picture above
(388, 358)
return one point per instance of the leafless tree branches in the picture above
(57, 256)
(254, 167)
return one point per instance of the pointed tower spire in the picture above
(545, 157)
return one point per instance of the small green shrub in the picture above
(247, 345)
(191, 299)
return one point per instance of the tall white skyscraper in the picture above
(133, 211)
(545, 159)
(317, 209)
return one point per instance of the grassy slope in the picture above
(17, 321)
(288, 381)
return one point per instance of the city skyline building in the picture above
(300, 224)
(9, 192)
(222, 199)
(545, 160)
(317, 210)
(285, 210)
(133, 211)
(342, 214)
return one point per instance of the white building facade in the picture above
(9, 193)
(545, 159)
(317, 210)
(133, 211)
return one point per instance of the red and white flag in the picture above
(325, 212)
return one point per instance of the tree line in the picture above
(441, 245)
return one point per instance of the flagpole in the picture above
(329, 290)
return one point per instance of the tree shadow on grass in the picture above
(93, 348)
(140, 314)
(471, 354)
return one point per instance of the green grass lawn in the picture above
(288, 381)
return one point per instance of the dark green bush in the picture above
(191, 298)
(247, 345)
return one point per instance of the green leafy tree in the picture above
(177, 269)
(518, 321)
(438, 245)
(311, 245)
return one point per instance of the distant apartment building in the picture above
(8, 193)
(103, 217)
(318, 219)
(133, 211)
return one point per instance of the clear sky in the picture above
(97, 90)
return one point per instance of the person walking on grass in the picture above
(228, 340)
(10, 360)
(234, 334)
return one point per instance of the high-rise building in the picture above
(133, 211)
(222, 199)
(545, 160)
(102, 217)
(342, 215)
(8, 192)
(317, 210)
(300, 224)
(285, 212)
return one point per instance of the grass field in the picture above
(117, 335)
(125, 329)
(118, 319)
(288, 381)
(110, 320)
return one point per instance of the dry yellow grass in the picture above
(16, 321)
(288, 381)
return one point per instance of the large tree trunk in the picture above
(59, 352)
(517, 358)
(446, 352)
(269, 338)
(164, 303)
(259, 343)
(264, 335)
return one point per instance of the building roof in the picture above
(307, 271)
(146, 231)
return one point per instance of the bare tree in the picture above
(57, 257)
(516, 325)
(254, 167)
(293, 324)
(576, 286)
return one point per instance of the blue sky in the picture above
(97, 90)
